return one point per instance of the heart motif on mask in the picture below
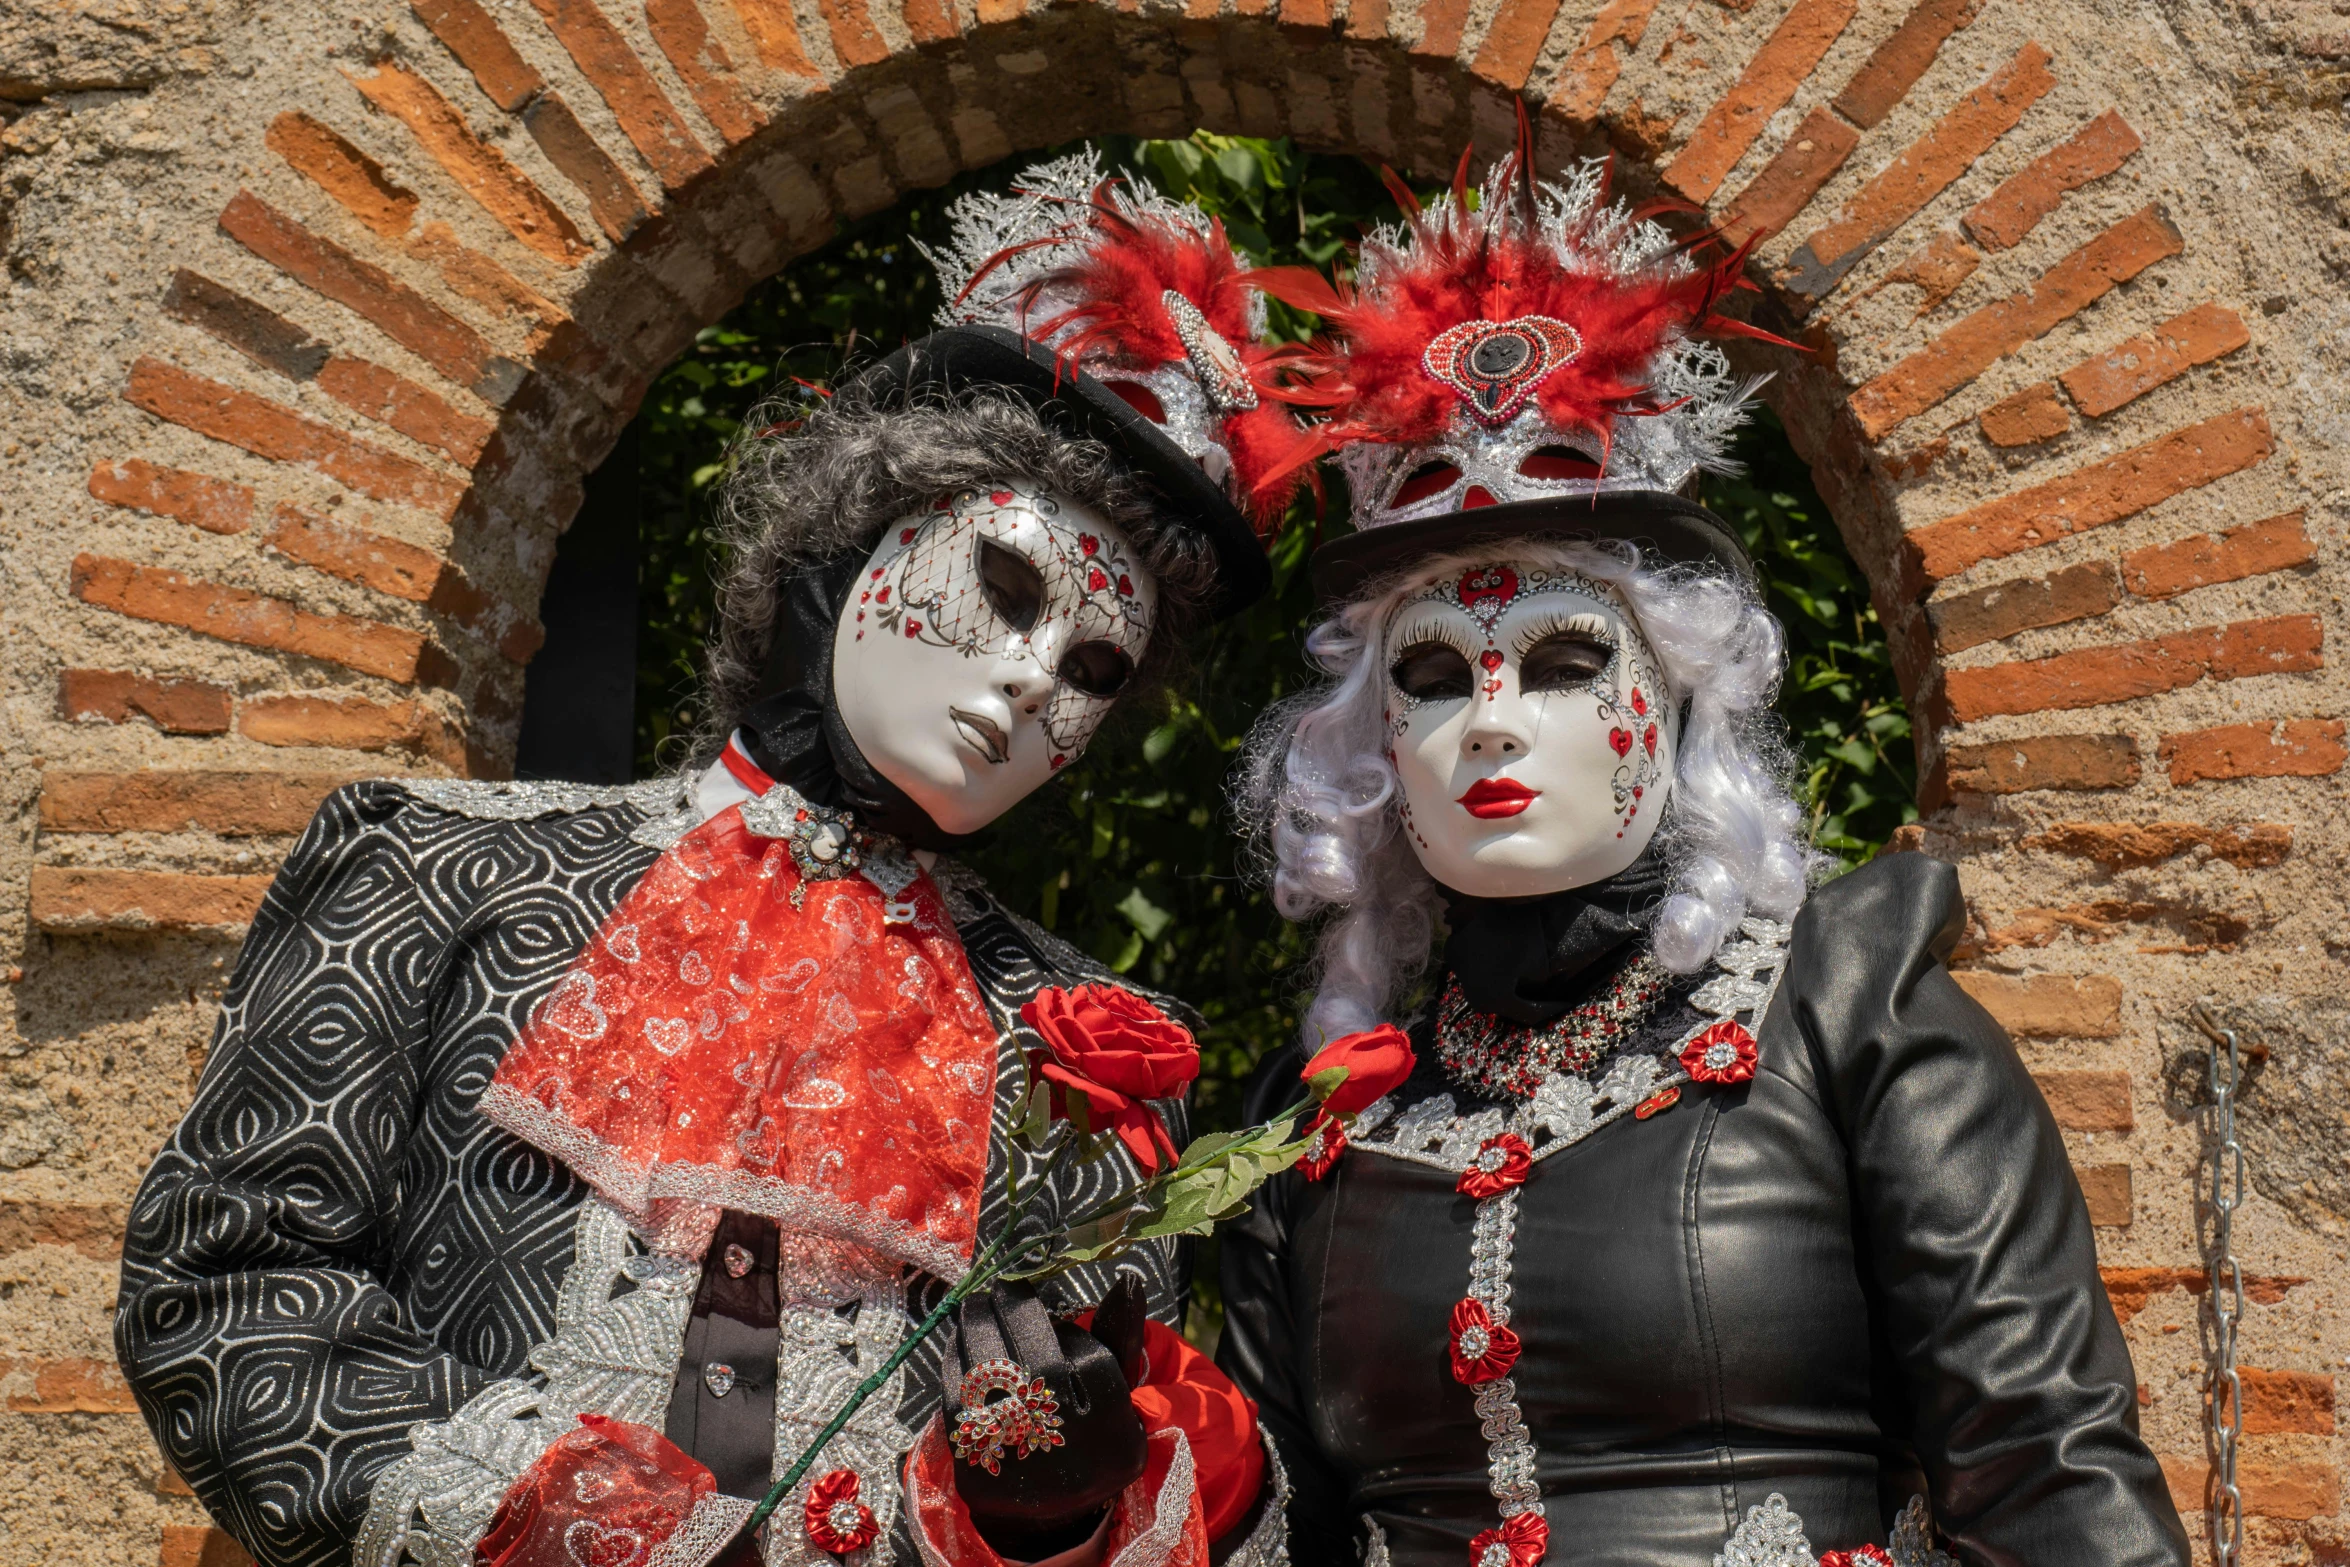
(1621, 739)
(1495, 366)
(1639, 702)
(1000, 497)
(1487, 584)
(1490, 658)
(1649, 739)
(668, 1035)
(591, 1544)
(1095, 581)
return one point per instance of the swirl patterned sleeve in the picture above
(277, 1369)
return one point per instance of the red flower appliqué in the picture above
(837, 1522)
(1723, 1053)
(1482, 1349)
(1859, 1556)
(1326, 1140)
(1501, 1163)
(1522, 1541)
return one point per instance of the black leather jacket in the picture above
(1864, 1275)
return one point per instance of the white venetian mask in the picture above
(1529, 724)
(987, 640)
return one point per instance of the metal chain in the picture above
(2225, 1390)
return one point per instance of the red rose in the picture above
(1376, 1060)
(1522, 1541)
(1326, 1140)
(837, 1522)
(1723, 1053)
(1118, 1051)
(1482, 1349)
(1501, 1163)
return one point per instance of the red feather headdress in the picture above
(1543, 341)
(1145, 295)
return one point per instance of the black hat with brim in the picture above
(957, 360)
(1661, 524)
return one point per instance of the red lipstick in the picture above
(1489, 799)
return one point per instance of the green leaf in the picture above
(1327, 1081)
(1147, 916)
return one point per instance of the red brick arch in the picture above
(393, 277)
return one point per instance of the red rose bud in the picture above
(1325, 1141)
(1375, 1061)
(1501, 1163)
(1116, 1051)
(1723, 1053)
(1482, 1349)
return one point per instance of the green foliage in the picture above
(1841, 702)
(1131, 855)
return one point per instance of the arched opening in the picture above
(1143, 869)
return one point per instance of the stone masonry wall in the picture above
(314, 311)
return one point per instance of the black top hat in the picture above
(1662, 525)
(957, 360)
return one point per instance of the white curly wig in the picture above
(1319, 797)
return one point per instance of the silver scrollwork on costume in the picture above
(1772, 1536)
(609, 1356)
(1561, 1112)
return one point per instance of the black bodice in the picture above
(1865, 1275)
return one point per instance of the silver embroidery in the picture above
(1267, 1545)
(1509, 1450)
(844, 1312)
(1912, 1544)
(1563, 1110)
(1771, 1536)
(609, 1356)
(711, 1524)
(1375, 1552)
(827, 844)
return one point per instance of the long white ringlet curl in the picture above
(1320, 800)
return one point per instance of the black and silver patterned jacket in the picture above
(352, 1309)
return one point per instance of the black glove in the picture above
(1030, 1495)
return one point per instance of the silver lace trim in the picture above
(1267, 1544)
(704, 1533)
(1561, 1113)
(638, 1191)
(1563, 1109)
(1159, 1541)
(844, 1312)
(1772, 1536)
(1375, 1552)
(520, 802)
(609, 1356)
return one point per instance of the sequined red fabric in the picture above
(838, 1522)
(1860, 1556)
(736, 1036)
(609, 1494)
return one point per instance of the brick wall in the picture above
(314, 316)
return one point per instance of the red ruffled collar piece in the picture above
(1522, 1541)
(741, 1035)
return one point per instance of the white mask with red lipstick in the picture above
(1529, 727)
(985, 643)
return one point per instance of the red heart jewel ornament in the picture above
(1088, 543)
(1095, 581)
(1639, 702)
(1495, 366)
(1621, 739)
(1000, 497)
(1490, 658)
(1482, 583)
(592, 1544)
(1648, 738)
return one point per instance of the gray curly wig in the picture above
(811, 480)
(1319, 797)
